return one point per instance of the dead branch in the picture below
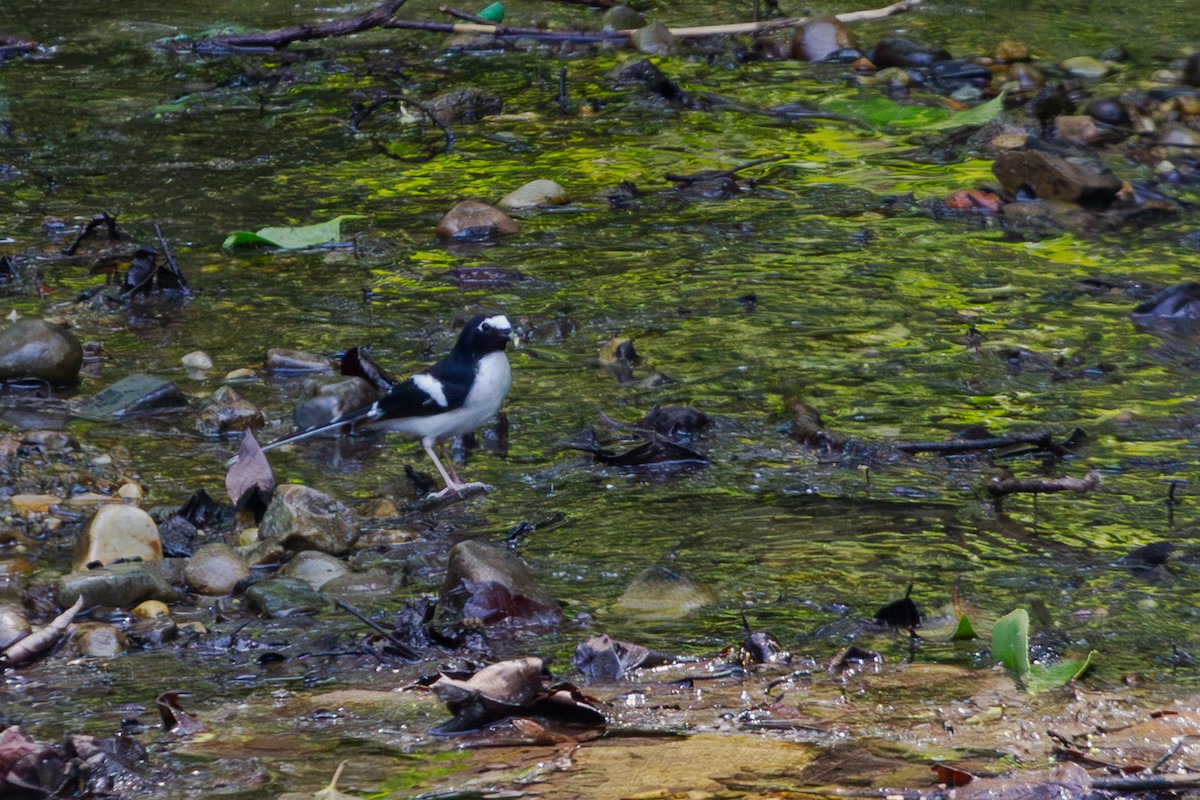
(1007, 486)
(1043, 441)
(41, 640)
(383, 16)
(302, 33)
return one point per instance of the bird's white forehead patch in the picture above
(432, 387)
(499, 322)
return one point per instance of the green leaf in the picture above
(493, 13)
(975, 117)
(292, 238)
(964, 630)
(1052, 676)
(1010, 641)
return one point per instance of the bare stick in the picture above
(300, 33)
(1007, 486)
(405, 651)
(1043, 440)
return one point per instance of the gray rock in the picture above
(227, 412)
(332, 400)
(117, 586)
(215, 570)
(473, 220)
(469, 104)
(135, 396)
(659, 593)
(621, 18)
(358, 584)
(541, 192)
(280, 597)
(491, 583)
(280, 360)
(99, 640)
(654, 39)
(1054, 178)
(34, 348)
(314, 568)
(819, 37)
(300, 518)
(118, 532)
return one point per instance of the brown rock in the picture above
(34, 348)
(1054, 178)
(300, 518)
(118, 532)
(1081, 129)
(492, 584)
(819, 37)
(1010, 50)
(215, 570)
(472, 219)
(227, 412)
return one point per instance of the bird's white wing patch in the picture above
(432, 387)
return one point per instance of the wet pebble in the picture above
(197, 359)
(279, 597)
(473, 220)
(820, 37)
(35, 348)
(1027, 77)
(1085, 67)
(655, 39)
(541, 192)
(118, 532)
(359, 584)
(214, 570)
(33, 503)
(469, 104)
(301, 518)
(151, 609)
(227, 412)
(1108, 110)
(99, 640)
(621, 18)
(152, 633)
(1010, 50)
(314, 568)
(898, 51)
(283, 360)
(1080, 129)
(660, 593)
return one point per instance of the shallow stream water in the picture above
(862, 307)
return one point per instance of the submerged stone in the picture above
(35, 348)
(314, 568)
(116, 586)
(333, 400)
(227, 412)
(98, 639)
(300, 518)
(215, 570)
(492, 584)
(134, 396)
(1084, 67)
(469, 104)
(897, 51)
(280, 597)
(282, 360)
(660, 593)
(472, 219)
(118, 532)
(1052, 177)
(541, 192)
(621, 18)
(655, 39)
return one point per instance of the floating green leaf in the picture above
(975, 117)
(292, 238)
(1051, 676)
(883, 112)
(1010, 641)
(492, 13)
(964, 630)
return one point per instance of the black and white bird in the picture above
(453, 397)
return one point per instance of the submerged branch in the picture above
(383, 16)
(1007, 486)
(1043, 441)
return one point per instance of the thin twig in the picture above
(1007, 486)
(1044, 441)
(405, 650)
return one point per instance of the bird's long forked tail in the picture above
(308, 434)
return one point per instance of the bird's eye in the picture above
(487, 326)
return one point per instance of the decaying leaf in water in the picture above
(250, 480)
(331, 792)
(174, 718)
(41, 640)
(602, 658)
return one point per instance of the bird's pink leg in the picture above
(453, 485)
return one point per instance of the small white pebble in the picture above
(197, 359)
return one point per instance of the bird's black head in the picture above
(484, 334)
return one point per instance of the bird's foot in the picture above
(456, 489)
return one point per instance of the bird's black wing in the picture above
(422, 395)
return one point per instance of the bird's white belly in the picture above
(492, 379)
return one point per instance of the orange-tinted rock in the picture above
(472, 219)
(819, 37)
